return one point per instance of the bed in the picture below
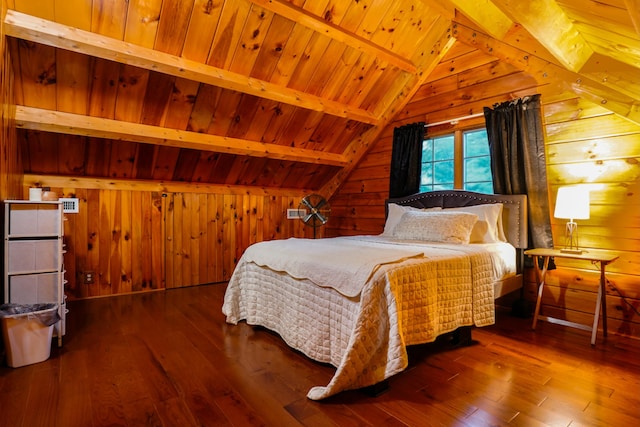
(357, 302)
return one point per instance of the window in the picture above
(457, 160)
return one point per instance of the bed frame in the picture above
(261, 296)
(514, 221)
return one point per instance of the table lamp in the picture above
(572, 203)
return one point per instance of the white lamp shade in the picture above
(572, 203)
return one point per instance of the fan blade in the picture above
(315, 202)
(306, 202)
(321, 217)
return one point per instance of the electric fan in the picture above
(315, 211)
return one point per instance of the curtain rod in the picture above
(454, 121)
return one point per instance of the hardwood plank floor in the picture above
(169, 359)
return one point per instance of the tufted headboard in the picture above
(514, 215)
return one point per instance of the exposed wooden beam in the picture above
(359, 147)
(618, 75)
(50, 33)
(486, 15)
(548, 23)
(545, 72)
(302, 17)
(159, 186)
(445, 8)
(633, 7)
(76, 124)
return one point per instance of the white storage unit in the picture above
(34, 255)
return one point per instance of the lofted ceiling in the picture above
(276, 93)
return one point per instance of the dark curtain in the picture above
(406, 159)
(516, 142)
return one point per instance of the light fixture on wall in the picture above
(572, 203)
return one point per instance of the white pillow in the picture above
(394, 214)
(488, 229)
(442, 226)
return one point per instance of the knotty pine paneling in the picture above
(206, 234)
(117, 235)
(138, 241)
(601, 150)
(10, 153)
(584, 143)
(371, 177)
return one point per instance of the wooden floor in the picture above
(169, 359)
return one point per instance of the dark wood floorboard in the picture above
(169, 359)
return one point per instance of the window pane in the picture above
(480, 187)
(477, 162)
(426, 176)
(427, 150)
(443, 186)
(443, 172)
(477, 169)
(443, 148)
(476, 143)
(438, 165)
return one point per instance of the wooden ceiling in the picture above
(276, 93)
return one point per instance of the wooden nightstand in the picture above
(595, 257)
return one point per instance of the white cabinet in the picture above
(34, 255)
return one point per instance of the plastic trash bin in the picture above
(27, 330)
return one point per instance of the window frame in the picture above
(458, 150)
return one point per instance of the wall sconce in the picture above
(572, 203)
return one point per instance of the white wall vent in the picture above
(70, 205)
(296, 213)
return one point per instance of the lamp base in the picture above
(571, 251)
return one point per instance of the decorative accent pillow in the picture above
(394, 214)
(488, 229)
(442, 226)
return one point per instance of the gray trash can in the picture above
(27, 330)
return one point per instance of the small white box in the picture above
(26, 339)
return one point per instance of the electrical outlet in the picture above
(88, 278)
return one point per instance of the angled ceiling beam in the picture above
(313, 22)
(486, 15)
(359, 147)
(75, 124)
(50, 33)
(633, 7)
(548, 23)
(545, 72)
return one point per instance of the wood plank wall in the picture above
(10, 156)
(585, 144)
(588, 145)
(358, 206)
(137, 241)
(196, 237)
(11, 171)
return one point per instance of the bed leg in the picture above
(376, 389)
(462, 336)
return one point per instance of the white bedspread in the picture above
(342, 263)
(365, 336)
